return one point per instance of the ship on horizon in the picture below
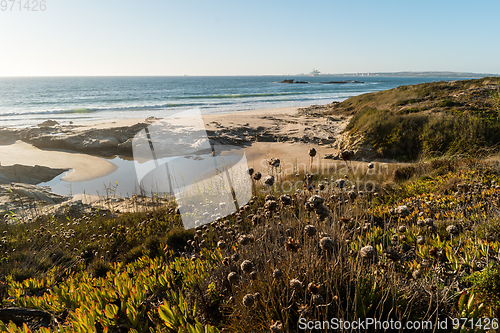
(315, 72)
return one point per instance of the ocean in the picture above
(27, 101)
(30, 101)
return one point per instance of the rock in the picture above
(26, 201)
(48, 123)
(28, 174)
(36, 193)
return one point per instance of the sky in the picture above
(191, 37)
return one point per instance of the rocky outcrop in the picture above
(27, 174)
(105, 142)
(22, 202)
(48, 123)
(293, 81)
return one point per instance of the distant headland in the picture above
(406, 74)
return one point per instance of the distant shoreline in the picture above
(407, 74)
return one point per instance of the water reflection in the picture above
(122, 182)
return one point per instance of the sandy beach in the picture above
(283, 133)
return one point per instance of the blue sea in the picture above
(30, 101)
(27, 101)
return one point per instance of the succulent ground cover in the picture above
(423, 244)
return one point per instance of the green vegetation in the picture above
(421, 243)
(428, 120)
(495, 97)
(414, 245)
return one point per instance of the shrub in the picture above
(99, 268)
(446, 103)
(486, 282)
(177, 238)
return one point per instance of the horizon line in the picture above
(223, 75)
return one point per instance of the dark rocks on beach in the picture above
(48, 123)
(27, 174)
(108, 141)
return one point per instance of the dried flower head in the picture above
(312, 152)
(269, 197)
(326, 243)
(420, 240)
(367, 252)
(271, 205)
(257, 176)
(426, 263)
(341, 183)
(452, 229)
(246, 266)
(346, 155)
(248, 300)
(245, 239)
(318, 300)
(277, 273)
(286, 200)
(315, 201)
(276, 327)
(402, 211)
(322, 212)
(392, 254)
(269, 180)
(233, 277)
(256, 219)
(310, 230)
(292, 245)
(402, 229)
(313, 288)
(352, 195)
(296, 284)
(253, 275)
(274, 162)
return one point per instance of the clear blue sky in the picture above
(111, 37)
